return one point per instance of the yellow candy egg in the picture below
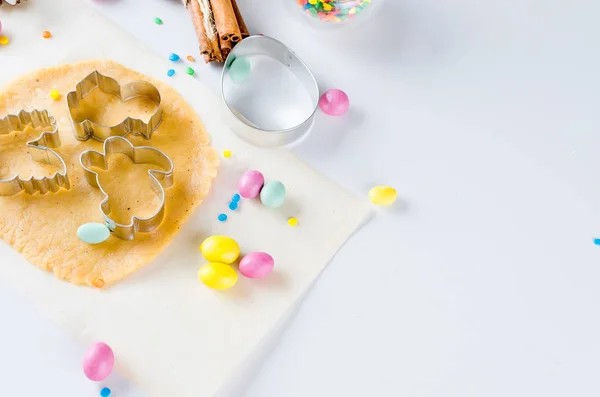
(383, 195)
(220, 249)
(218, 276)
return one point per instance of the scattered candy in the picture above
(256, 265)
(46, 34)
(3, 40)
(272, 194)
(105, 392)
(334, 102)
(190, 71)
(292, 222)
(174, 57)
(233, 206)
(220, 249)
(93, 233)
(227, 153)
(383, 195)
(218, 276)
(597, 241)
(333, 11)
(98, 361)
(222, 217)
(239, 69)
(191, 58)
(236, 198)
(250, 184)
(158, 21)
(171, 72)
(54, 94)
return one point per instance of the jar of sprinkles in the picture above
(335, 11)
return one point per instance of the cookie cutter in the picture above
(159, 179)
(41, 151)
(87, 129)
(259, 52)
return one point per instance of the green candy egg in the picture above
(272, 194)
(93, 233)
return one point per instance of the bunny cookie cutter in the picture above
(41, 151)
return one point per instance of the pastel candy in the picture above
(98, 361)
(250, 184)
(383, 195)
(256, 265)
(93, 233)
(272, 194)
(218, 276)
(334, 102)
(220, 249)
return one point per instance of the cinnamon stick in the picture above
(226, 21)
(205, 30)
(240, 20)
(226, 47)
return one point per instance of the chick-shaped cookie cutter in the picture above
(41, 151)
(159, 180)
(87, 129)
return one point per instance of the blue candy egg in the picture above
(93, 233)
(272, 194)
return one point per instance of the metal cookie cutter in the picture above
(276, 101)
(87, 129)
(41, 151)
(159, 179)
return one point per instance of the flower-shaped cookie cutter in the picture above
(159, 180)
(87, 129)
(41, 151)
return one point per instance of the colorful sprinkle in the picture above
(236, 198)
(597, 241)
(190, 71)
(334, 102)
(383, 195)
(105, 392)
(158, 21)
(174, 57)
(333, 11)
(233, 206)
(3, 40)
(222, 217)
(292, 222)
(191, 58)
(46, 34)
(227, 153)
(54, 94)
(93, 233)
(171, 73)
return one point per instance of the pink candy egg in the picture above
(98, 361)
(334, 102)
(250, 184)
(256, 265)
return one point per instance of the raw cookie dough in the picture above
(42, 227)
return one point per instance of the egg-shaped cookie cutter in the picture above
(249, 130)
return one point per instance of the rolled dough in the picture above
(171, 335)
(42, 227)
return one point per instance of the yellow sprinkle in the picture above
(382, 195)
(227, 153)
(54, 94)
(312, 1)
(292, 221)
(327, 7)
(3, 40)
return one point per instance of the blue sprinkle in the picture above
(222, 217)
(174, 57)
(105, 392)
(170, 73)
(597, 241)
(233, 206)
(236, 198)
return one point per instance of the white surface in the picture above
(484, 280)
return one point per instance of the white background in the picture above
(484, 279)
